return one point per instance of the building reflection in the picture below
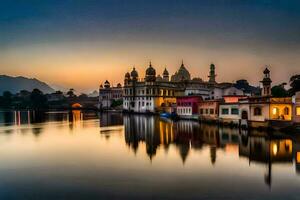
(189, 136)
(110, 119)
(267, 151)
(156, 132)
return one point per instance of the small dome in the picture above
(119, 85)
(150, 71)
(101, 86)
(266, 71)
(106, 84)
(127, 75)
(134, 73)
(165, 73)
(159, 78)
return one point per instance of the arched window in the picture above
(286, 111)
(257, 111)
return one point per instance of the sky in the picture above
(81, 43)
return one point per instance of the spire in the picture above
(266, 82)
(212, 74)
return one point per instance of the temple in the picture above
(156, 93)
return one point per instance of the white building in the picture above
(108, 95)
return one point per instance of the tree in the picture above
(279, 91)
(295, 84)
(83, 96)
(58, 92)
(6, 100)
(116, 103)
(38, 100)
(71, 93)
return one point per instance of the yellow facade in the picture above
(281, 112)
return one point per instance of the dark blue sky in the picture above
(262, 28)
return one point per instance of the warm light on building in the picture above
(298, 111)
(298, 157)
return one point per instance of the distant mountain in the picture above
(15, 84)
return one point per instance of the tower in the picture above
(212, 74)
(266, 91)
(166, 75)
(134, 75)
(127, 78)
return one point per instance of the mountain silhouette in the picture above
(15, 84)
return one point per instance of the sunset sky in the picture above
(81, 43)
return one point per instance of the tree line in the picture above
(36, 99)
(281, 91)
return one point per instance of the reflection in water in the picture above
(107, 155)
(186, 135)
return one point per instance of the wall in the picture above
(229, 116)
(208, 105)
(232, 91)
(264, 112)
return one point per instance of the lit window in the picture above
(298, 111)
(274, 111)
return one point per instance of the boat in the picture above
(169, 115)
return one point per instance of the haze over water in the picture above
(91, 156)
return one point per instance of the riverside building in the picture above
(109, 94)
(157, 93)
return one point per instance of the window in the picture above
(275, 111)
(211, 111)
(257, 111)
(201, 111)
(234, 111)
(225, 111)
(298, 111)
(206, 111)
(286, 111)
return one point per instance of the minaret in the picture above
(212, 74)
(127, 78)
(266, 91)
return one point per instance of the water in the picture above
(87, 156)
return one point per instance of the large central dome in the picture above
(150, 73)
(182, 74)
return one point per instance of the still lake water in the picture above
(113, 156)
